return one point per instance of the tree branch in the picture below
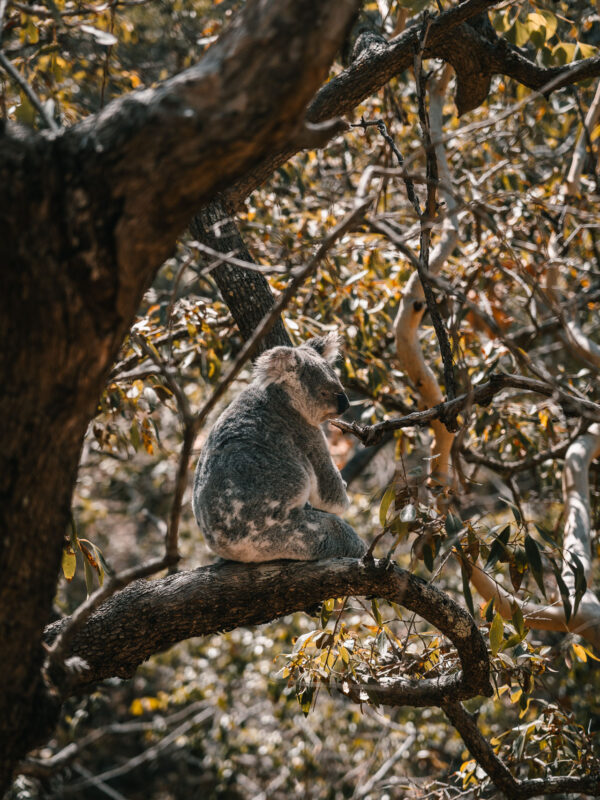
(482, 395)
(483, 752)
(150, 616)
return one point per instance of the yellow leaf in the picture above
(136, 708)
(579, 652)
(496, 633)
(589, 653)
(587, 50)
(69, 563)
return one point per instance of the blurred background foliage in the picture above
(248, 713)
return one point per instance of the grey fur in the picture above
(265, 486)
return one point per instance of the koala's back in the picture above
(254, 466)
(266, 486)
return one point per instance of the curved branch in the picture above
(150, 616)
(475, 57)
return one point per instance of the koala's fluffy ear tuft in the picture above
(272, 365)
(327, 346)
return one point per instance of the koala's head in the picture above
(307, 376)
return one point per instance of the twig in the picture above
(368, 787)
(528, 462)
(33, 98)
(426, 221)
(408, 182)
(230, 258)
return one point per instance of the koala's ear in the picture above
(273, 365)
(327, 346)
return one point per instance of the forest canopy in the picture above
(188, 183)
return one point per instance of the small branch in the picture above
(408, 182)
(367, 787)
(483, 752)
(481, 395)
(31, 95)
(522, 464)
(230, 258)
(426, 221)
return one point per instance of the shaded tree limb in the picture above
(150, 616)
(246, 293)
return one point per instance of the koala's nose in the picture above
(342, 403)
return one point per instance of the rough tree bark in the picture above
(148, 617)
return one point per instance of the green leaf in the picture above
(326, 610)
(134, 435)
(498, 548)
(576, 567)
(564, 52)
(535, 562)
(376, 612)
(25, 112)
(511, 641)
(587, 50)
(546, 536)
(467, 588)
(428, 556)
(517, 620)
(453, 525)
(551, 23)
(562, 588)
(496, 633)
(305, 699)
(386, 501)
(521, 33)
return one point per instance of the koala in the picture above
(265, 486)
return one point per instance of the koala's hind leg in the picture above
(308, 535)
